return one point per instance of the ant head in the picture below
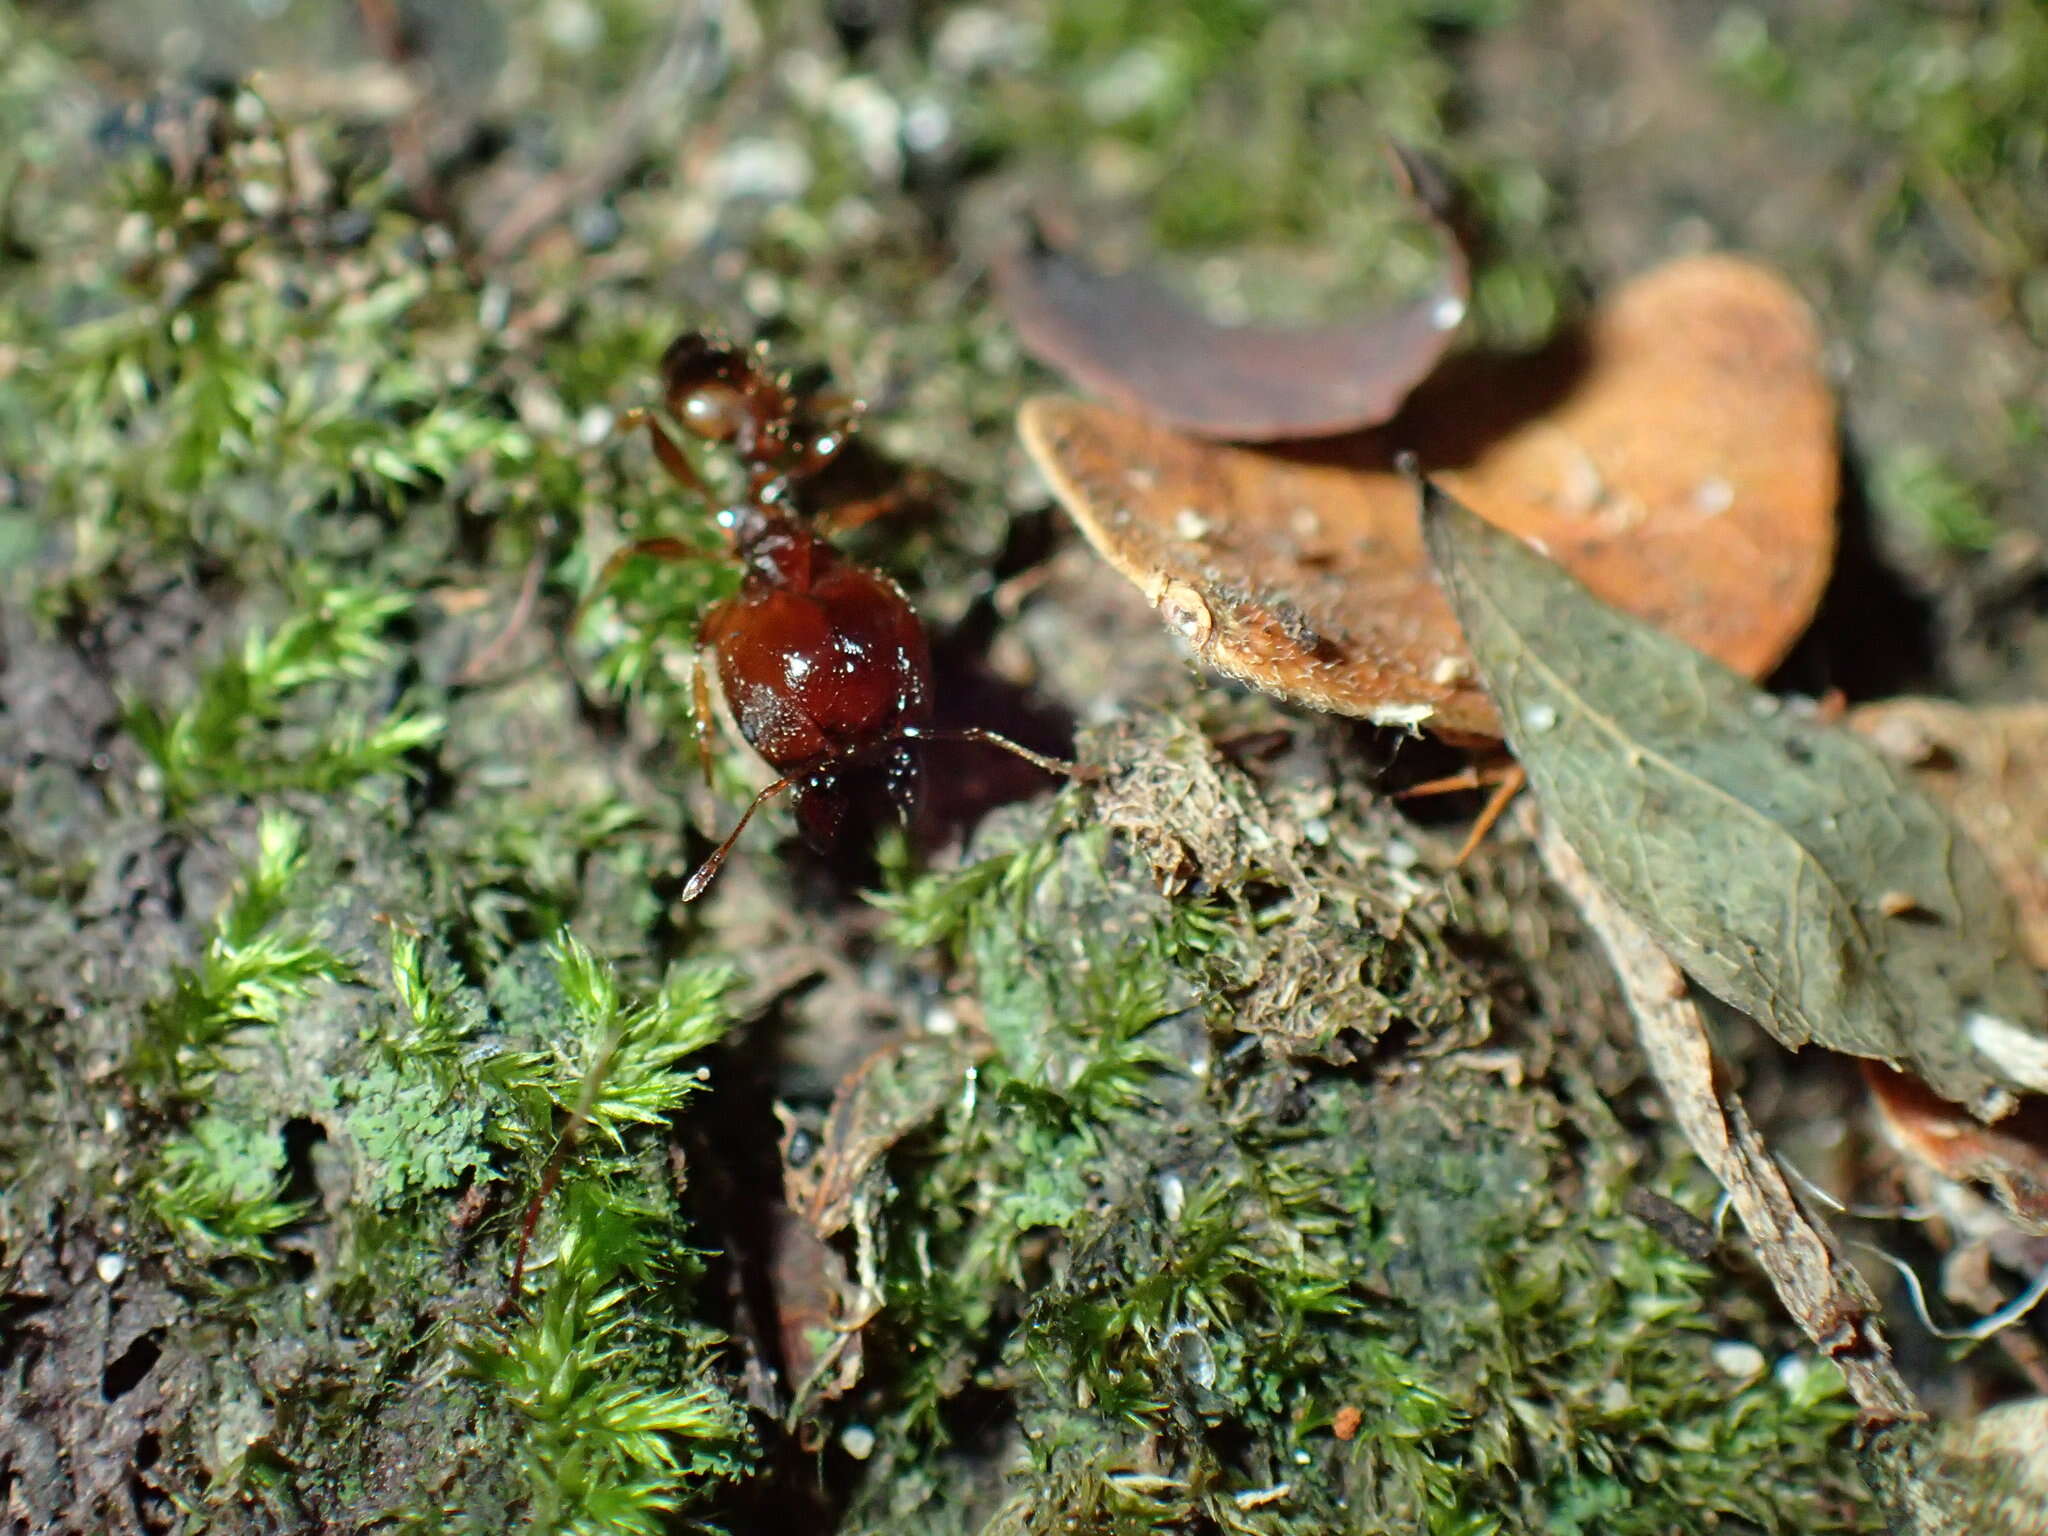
(718, 391)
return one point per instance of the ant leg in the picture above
(708, 870)
(651, 549)
(974, 733)
(700, 716)
(672, 457)
(1505, 790)
(1471, 776)
(818, 771)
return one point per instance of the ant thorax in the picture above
(777, 551)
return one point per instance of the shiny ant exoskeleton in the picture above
(823, 662)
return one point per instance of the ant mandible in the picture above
(823, 661)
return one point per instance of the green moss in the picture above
(220, 1188)
(1180, 1262)
(1918, 491)
(1196, 1210)
(289, 709)
(259, 965)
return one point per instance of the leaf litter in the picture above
(1767, 852)
(1125, 336)
(1676, 453)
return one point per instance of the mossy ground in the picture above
(340, 871)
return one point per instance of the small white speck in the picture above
(1792, 1372)
(1196, 1357)
(761, 292)
(1539, 717)
(1190, 525)
(1733, 1357)
(927, 127)
(1141, 480)
(873, 120)
(858, 1441)
(1173, 1196)
(768, 169)
(1448, 312)
(1316, 832)
(1714, 496)
(1186, 613)
(109, 1267)
(941, 1020)
(594, 426)
(1302, 1458)
(1765, 705)
(1449, 670)
(1400, 714)
(2021, 1054)
(1258, 1498)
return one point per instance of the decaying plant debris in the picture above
(1250, 1172)
(1790, 870)
(1126, 337)
(1677, 454)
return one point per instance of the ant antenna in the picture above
(708, 870)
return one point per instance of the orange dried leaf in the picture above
(1676, 454)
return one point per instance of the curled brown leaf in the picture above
(1130, 339)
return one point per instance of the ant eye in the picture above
(714, 412)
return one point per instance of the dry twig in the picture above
(1793, 1246)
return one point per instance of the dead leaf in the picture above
(1126, 337)
(891, 1095)
(1988, 765)
(2010, 1157)
(1677, 455)
(1757, 846)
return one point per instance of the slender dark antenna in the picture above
(708, 870)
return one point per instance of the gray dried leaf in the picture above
(1126, 337)
(1784, 864)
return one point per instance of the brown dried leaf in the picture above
(1124, 336)
(1677, 455)
(2011, 1157)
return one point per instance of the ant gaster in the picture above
(823, 661)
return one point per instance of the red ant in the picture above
(823, 661)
